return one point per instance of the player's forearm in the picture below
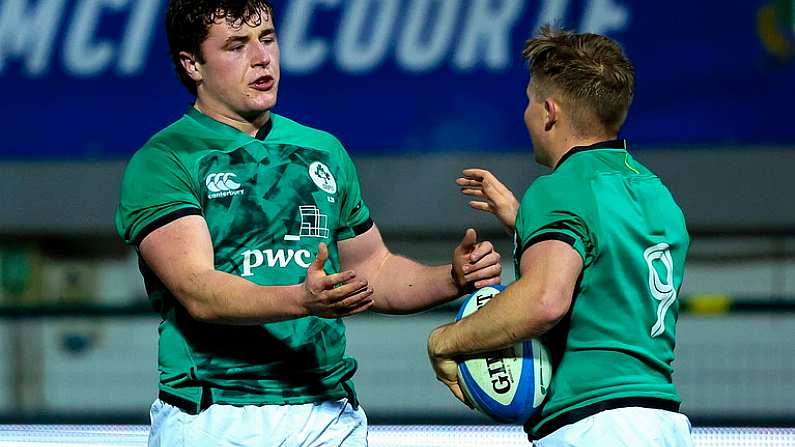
(516, 314)
(217, 297)
(404, 286)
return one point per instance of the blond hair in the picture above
(589, 73)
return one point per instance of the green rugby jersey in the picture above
(617, 342)
(268, 202)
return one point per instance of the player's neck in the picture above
(249, 126)
(564, 145)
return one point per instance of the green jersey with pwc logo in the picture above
(268, 201)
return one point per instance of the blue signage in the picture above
(91, 79)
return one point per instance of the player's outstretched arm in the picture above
(405, 286)
(491, 194)
(181, 254)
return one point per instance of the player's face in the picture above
(239, 77)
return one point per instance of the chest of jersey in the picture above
(268, 207)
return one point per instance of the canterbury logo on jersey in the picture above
(222, 184)
(274, 258)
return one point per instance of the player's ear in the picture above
(191, 65)
(551, 113)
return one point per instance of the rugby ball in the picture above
(506, 385)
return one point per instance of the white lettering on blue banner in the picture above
(417, 36)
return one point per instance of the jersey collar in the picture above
(263, 131)
(226, 129)
(610, 144)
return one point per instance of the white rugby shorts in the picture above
(624, 427)
(326, 424)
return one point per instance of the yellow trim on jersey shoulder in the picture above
(626, 162)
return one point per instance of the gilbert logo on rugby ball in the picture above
(507, 385)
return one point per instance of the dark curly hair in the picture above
(188, 23)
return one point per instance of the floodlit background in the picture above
(417, 90)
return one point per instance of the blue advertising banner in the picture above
(91, 79)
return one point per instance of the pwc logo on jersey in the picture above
(274, 258)
(314, 224)
(222, 184)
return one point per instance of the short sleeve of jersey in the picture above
(156, 188)
(549, 211)
(355, 215)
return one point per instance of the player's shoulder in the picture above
(167, 146)
(289, 131)
(560, 183)
(186, 135)
(558, 191)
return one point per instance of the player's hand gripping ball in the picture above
(507, 385)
